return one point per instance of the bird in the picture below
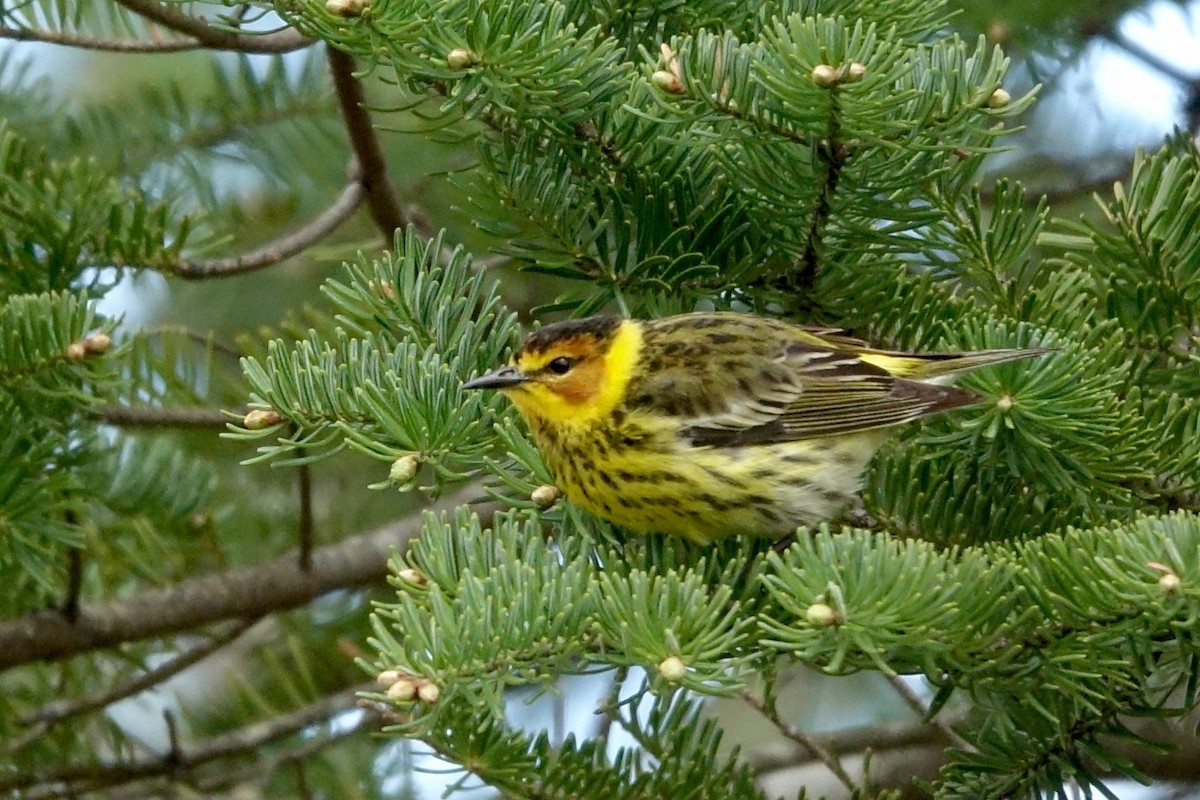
(714, 424)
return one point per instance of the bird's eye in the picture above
(560, 366)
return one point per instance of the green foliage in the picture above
(396, 392)
(812, 159)
(1034, 556)
(236, 117)
(61, 217)
(597, 175)
(552, 608)
(475, 603)
(1065, 632)
(1142, 256)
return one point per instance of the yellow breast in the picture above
(644, 476)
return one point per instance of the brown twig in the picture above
(283, 41)
(919, 706)
(298, 756)
(295, 242)
(82, 42)
(381, 197)
(304, 481)
(810, 743)
(237, 593)
(1060, 194)
(73, 781)
(70, 606)
(832, 154)
(608, 706)
(151, 417)
(1150, 58)
(59, 710)
(848, 741)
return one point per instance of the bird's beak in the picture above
(503, 378)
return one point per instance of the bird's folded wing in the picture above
(826, 407)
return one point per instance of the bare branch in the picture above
(1060, 191)
(876, 738)
(900, 752)
(296, 757)
(921, 709)
(299, 240)
(237, 593)
(283, 41)
(151, 417)
(304, 481)
(810, 743)
(381, 198)
(83, 42)
(63, 709)
(1151, 59)
(72, 781)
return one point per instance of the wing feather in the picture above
(777, 382)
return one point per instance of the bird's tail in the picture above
(942, 367)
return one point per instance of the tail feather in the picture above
(943, 367)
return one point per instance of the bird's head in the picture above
(569, 372)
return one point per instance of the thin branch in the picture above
(782, 131)
(295, 242)
(237, 593)
(304, 480)
(848, 741)
(833, 155)
(73, 781)
(174, 749)
(151, 417)
(282, 41)
(810, 743)
(1151, 58)
(60, 710)
(921, 709)
(608, 707)
(296, 757)
(70, 606)
(206, 339)
(82, 42)
(1064, 193)
(381, 198)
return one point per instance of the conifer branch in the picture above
(723, 106)
(151, 417)
(70, 605)
(1057, 194)
(304, 487)
(381, 197)
(767, 708)
(283, 41)
(237, 593)
(283, 248)
(297, 757)
(609, 707)
(76, 780)
(1152, 59)
(924, 744)
(82, 42)
(833, 155)
(919, 707)
(848, 741)
(59, 710)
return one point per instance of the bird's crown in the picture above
(565, 344)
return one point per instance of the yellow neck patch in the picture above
(608, 378)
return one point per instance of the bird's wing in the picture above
(786, 389)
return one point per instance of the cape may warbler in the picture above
(715, 424)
